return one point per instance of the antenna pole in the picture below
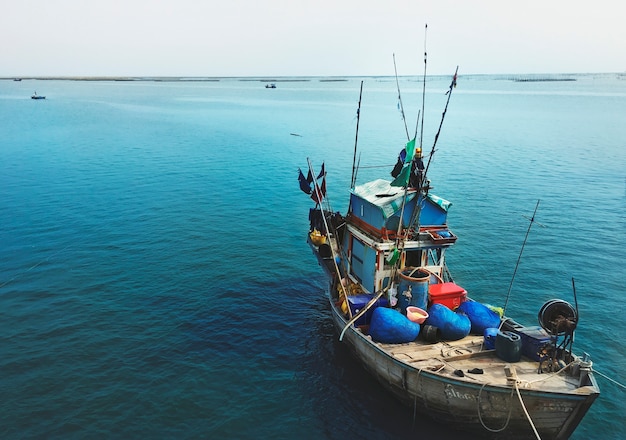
(400, 99)
(424, 86)
(356, 138)
(443, 116)
(532, 220)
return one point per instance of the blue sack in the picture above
(392, 327)
(481, 316)
(453, 326)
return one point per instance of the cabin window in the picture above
(413, 259)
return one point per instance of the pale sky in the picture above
(309, 38)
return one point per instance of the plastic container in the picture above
(413, 288)
(490, 338)
(509, 346)
(533, 339)
(450, 295)
(416, 314)
(357, 302)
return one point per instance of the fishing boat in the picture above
(36, 96)
(463, 363)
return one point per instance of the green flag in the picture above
(403, 177)
(410, 150)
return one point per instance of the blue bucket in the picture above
(413, 288)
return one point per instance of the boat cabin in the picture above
(374, 215)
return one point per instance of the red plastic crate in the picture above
(450, 295)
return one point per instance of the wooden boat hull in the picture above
(491, 410)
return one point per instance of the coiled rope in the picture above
(519, 395)
(508, 418)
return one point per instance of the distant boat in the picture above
(467, 365)
(17, 79)
(36, 96)
(270, 86)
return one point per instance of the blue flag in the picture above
(305, 186)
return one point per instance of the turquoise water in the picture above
(154, 276)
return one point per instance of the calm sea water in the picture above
(154, 276)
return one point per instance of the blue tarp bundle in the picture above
(453, 326)
(480, 316)
(392, 327)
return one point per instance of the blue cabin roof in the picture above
(379, 204)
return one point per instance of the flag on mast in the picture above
(320, 192)
(322, 172)
(402, 178)
(305, 185)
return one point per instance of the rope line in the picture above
(415, 397)
(20, 274)
(608, 378)
(480, 417)
(532, 425)
(549, 376)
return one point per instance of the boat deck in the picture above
(448, 357)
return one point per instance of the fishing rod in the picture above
(356, 138)
(416, 214)
(443, 115)
(423, 88)
(530, 225)
(432, 151)
(37, 264)
(417, 123)
(571, 347)
(406, 187)
(575, 299)
(400, 99)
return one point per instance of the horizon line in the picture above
(277, 78)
